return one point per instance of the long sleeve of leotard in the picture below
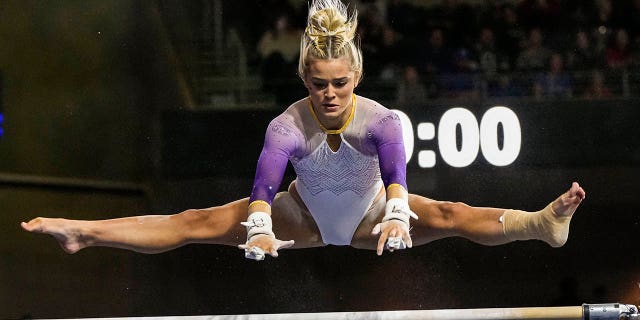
(386, 134)
(279, 143)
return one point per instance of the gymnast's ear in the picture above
(304, 81)
(357, 79)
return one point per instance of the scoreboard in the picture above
(518, 135)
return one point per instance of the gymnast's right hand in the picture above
(260, 237)
(259, 244)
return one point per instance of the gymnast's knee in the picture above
(195, 218)
(450, 214)
(211, 223)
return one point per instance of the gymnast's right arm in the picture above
(278, 146)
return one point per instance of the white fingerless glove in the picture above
(258, 223)
(398, 209)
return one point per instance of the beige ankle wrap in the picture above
(543, 225)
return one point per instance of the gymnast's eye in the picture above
(340, 83)
(319, 84)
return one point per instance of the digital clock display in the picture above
(461, 137)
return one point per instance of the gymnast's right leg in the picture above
(152, 233)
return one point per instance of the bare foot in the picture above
(568, 202)
(68, 238)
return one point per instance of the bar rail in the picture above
(610, 311)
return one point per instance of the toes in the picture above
(68, 249)
(577, 190)
(574, 195)
(34, 225)
(581, 194)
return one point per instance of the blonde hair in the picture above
(330, 34)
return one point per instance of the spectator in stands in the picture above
(411, 90)
(555, 82)
(597, 88)
(461, 82)
(456, 18)
(535, 55)
(510, 35)
(486, 52)
(630, 21)
(389, 53)
(371, 32)
(582, 55)
(379, 43)
(582, 58)
(282, 39)
(618, 54)
(490, 60)
(279, 48)
(602, 24)
(504, 86)
(603, 14)
(434, 58)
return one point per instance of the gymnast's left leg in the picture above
(487, 226)
(493, 226)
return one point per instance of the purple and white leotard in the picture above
(337, 187)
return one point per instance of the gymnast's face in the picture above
(331, 83)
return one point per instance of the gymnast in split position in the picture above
(350, 189)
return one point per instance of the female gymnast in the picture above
(350, 188)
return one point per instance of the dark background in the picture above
(97, 125)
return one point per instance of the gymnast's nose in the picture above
(329, 92)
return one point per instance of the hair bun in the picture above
(329, 28)
(330, 34)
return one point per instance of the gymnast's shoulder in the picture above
(291, 118)
(367, 104)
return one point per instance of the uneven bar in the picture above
(610, 311)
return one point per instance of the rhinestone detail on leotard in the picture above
(345, 169)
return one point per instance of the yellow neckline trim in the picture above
(344, 126)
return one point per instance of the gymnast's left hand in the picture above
(394, 229)
(260, 244)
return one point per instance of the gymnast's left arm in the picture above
(394, 228)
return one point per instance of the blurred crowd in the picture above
(468, 49)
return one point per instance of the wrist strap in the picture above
(398, 209)
(258, 223)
